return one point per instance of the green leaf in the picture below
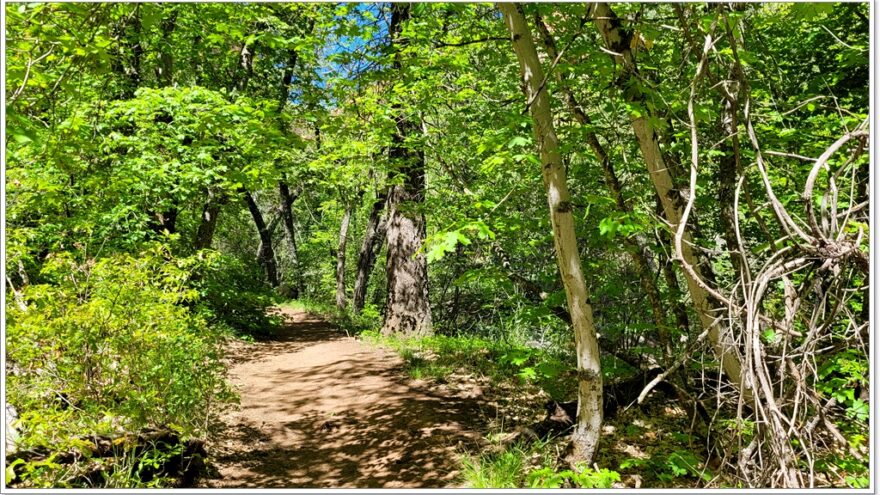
(22, 138)
(517, 141)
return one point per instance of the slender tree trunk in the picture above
(585, 438)
(636, 247)
(729, 163)
(287, 199)
(126, 61)
(166, 59)
(675, 295)
(205, 232)
(728, 174)
(265, 254)
(373, 235)
(407, 310)
(618, 41)
(340, 259)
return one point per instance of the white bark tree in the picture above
(585, 438)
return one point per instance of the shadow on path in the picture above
(320, 409)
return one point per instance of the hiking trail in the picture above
(322, 409)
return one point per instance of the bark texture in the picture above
(407, 310)
(636, 247)
(585, 438)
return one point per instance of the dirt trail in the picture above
(320, 409)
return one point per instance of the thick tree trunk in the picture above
(373, 235)
(585, 438)
(618, 41)
(407, 310)
(287, 199)
(207, 225)
(265, 254)
(340, 259)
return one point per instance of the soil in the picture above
(322, 409)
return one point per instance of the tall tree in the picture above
(407, 309)
(637, 246)
(618, 41)
(585, 438)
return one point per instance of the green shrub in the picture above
(583, 477)
(232, 295)
(106, 347)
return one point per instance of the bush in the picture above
(109, 346)
(582, 477)
(232, 295)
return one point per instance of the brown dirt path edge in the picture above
(321, 409)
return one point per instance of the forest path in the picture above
(321, 409)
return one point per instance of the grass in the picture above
(505, 470)
(508, 468)
(351, 323)
(439, 356)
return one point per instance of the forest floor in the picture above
(321, 409)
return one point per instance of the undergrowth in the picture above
(109, 348)
(530, 466)
(439, 356)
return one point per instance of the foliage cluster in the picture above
(109, 346)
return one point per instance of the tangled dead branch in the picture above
(792, 311)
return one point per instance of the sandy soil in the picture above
(320, 409)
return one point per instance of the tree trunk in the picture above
(205, 232)
(287, 199)
(728, 174)
(729, 162)
(127, 62)
(166, 59)
(266, 254)
(675, 295)
(585, 438)
(340, 259)
(636, 247)
(166, 220)
(618, 41)
(407, 310)
(373, 235)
